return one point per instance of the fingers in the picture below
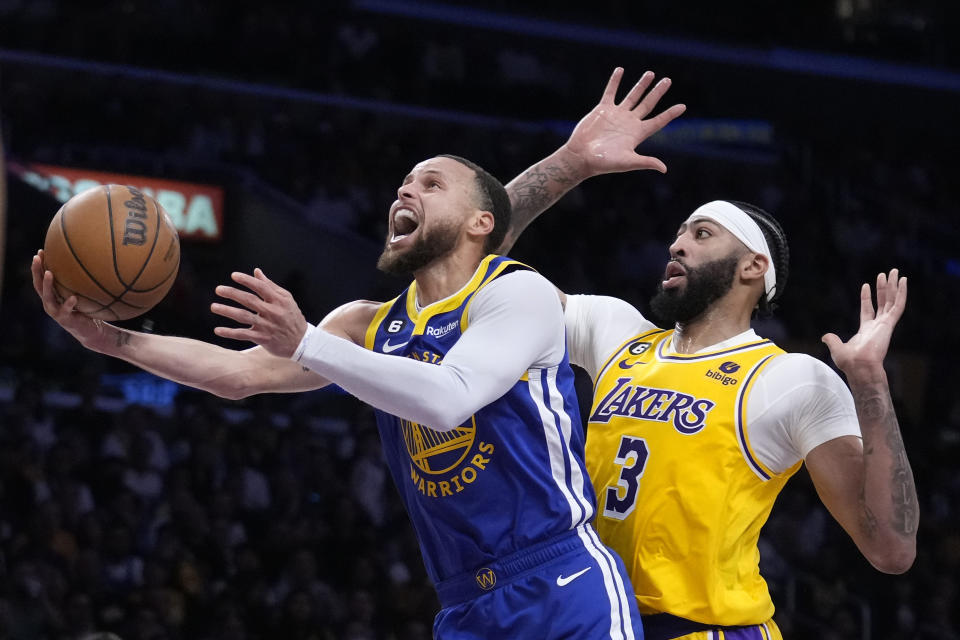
(610, 92)
(633, 97)
(36, 270)
(650, 101)
(867, 312)
(900, 303)
(247, 299)
(243, 316)
(238, 334)
(649, 162)
(263, 287)
(895, 294)
(832, 341)
(663, 119)
(881, 291)
(52, 302)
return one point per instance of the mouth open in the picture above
(405, 223)
(673, 274)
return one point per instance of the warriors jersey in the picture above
(681, 495)
(509, 476)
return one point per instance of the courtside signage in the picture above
(196, 209)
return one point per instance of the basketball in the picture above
(115, 248)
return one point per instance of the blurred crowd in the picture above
(274, 517)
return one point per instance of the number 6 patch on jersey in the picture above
(621, 499)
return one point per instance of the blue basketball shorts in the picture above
(571, 586)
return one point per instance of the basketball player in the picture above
(695, 429)
(479, 419)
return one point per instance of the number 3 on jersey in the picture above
(633, 458)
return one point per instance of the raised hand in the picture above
(84, 329)
(868, 347)
(606, 138)
(274, 318)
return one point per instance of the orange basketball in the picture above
(114, 248)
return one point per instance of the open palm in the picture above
(868, 347)
(606, 138)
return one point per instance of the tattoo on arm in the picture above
(868, 521)
(875, 406)
(123, 338)
(534, 191)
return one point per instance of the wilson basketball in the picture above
(114, 248)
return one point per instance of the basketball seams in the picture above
(146, 261)
(103, 307)
(113, 242)
(113, 239)
(66, 239)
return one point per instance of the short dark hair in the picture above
(493, 198)
(776, 239)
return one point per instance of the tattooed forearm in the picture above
(868, 521)
(532, 193)
(906, 513)
(878, 420)
(538, 187)
(123, 338)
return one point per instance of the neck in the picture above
(445, 276)
(721, 321)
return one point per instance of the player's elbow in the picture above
(894, 559)
(446, 418)
(236, 386)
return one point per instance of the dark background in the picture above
(272, 517)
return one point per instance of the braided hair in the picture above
(779, 249)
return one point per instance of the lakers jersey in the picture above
(681, 495)
(509, 476)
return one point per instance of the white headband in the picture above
(745, 229)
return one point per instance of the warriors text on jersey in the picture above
(681, 495)
(510, 475)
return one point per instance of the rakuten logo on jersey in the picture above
(439, 332)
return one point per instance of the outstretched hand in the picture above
(606, 138)
(274, 319)
(64, 312)
(869, 346)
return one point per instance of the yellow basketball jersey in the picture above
(681, 495)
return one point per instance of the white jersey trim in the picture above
(558, 444)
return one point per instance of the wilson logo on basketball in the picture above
(135, 230)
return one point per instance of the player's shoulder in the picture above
(352, 319)
(800, 369)
(516, 283)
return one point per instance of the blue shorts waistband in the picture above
(503, 571)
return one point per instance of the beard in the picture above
(705, 285)
(428, 246)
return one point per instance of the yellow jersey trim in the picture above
(371, 334)
(753, 461)
(464, 320)
(421, 318)
(662, 356)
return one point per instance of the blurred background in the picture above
(276, 134)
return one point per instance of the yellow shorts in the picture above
(766, 631)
